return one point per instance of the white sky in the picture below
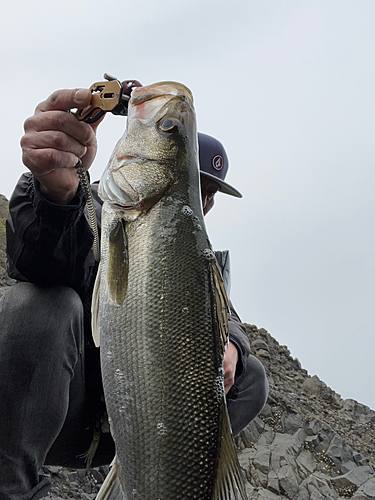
(288, 87)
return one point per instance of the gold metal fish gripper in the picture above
(107, 96)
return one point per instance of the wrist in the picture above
(59, 197)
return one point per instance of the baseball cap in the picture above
(213, 163)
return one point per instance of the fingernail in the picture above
(81, 94)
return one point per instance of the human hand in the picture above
(229, 365)
(54, 140)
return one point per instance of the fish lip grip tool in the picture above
(107, 96)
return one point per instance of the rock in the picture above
(245, 457)
(292, 422)
(264, 494)
(261, 458)
(310, 386)
(366, 491)
(288, 481)
(316, 487)
(273, 482)
(306, 464)
(353, 479)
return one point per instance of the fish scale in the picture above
(159, 317)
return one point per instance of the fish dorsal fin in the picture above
(229, 484)
(111, 488)
(95, 309)
(118, 263)
(222, 304)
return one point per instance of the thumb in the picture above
(82, 97)
(64, 100)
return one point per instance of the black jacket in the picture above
(50, 244)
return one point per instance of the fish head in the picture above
(158, 149)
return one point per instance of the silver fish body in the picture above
(161, 311)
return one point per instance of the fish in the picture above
(159, 308)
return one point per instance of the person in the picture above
(50, 385)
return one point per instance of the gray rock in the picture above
(310, 386)
(368, 489)
(292, 422)
(245, 457)
(334, 450)
(313, 428)
(251, 491)
(251, 433)
(261, 458)
(267, 436)
(318, 487)
(266, 412)
(288, 481)
(302, 494)
(273, 482)
(312, 441)
(306, 464)
(359, 459)
(264, 494)
(348, 466)
(356, 477)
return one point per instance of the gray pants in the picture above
(46, 414)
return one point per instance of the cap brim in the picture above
(224, 186)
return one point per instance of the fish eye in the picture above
(169, 125)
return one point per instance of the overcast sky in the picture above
(288, 86)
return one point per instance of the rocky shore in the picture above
(307, 443)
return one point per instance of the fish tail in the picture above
(111, 488)
(229, 483)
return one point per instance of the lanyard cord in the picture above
(85, 185)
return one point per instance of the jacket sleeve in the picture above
(238, 337)
(48, 243)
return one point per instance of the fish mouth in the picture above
(157, 90)
(146, 102)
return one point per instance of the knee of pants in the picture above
(251, 387)
(33, 311)
(259, 382)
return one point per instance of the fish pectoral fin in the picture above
(229, 484)
(95, 309)
(118, 262)
(111, 488)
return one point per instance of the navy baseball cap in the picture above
(213, 163)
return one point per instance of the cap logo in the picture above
(218, 162)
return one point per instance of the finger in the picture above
(44, 161)
(61, 121)
(63, 100)
(53, 139)
(228, 385)
(228, 377)
(95, 125)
